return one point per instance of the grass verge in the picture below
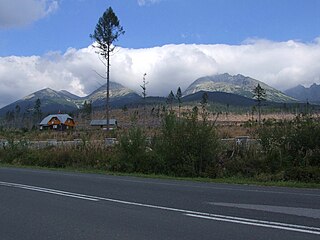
(229, 180)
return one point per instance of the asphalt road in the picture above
(37, 204)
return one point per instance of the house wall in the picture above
(103, 126)
(54, 121)
(60, 127)
(70, 123)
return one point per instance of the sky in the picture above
(46, 43)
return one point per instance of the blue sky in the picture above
(161, 22)
(46, 43)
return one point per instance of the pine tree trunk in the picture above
(108, 84)
(259, 109)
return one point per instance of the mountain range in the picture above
(119, 95)
(63, 101)
(301, 93)
(237, 84)
(51, 101)
(223, 88)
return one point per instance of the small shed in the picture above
(102, 123)
(57, 122)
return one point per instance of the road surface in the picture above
(40, 204)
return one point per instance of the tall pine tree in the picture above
(107, 31)
(259, 94)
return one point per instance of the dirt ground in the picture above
(229, 125)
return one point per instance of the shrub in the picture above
(13, 152)
(245, 162)
(188, 147)
(291, 143)
(306, 174)
(133, 153)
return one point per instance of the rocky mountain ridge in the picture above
(64, 101)
(304, 94)
(236, 84)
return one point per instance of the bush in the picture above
(13, 152)
(245, 162)
(307, 174)
(188, 147)
(291, 143)
(133, 153)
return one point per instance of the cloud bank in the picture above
(279, 64)
(17, 13)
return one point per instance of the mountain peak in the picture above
(116, 90)
(303, 94)
(69, 95)
(236, 84)
(53, 101)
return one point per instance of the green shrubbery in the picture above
(83, 156)
(288, 150)
(187, 147)
(293, 147)
(183, 147)
(298, 141)
(131, 153)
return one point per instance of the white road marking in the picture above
(180, 184)
(51, 191)
(190, 213)
(255, 224)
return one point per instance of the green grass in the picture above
(229, 180)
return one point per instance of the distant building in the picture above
(102, 123)
(57, 122)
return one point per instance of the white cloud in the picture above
(147, 2)
(279, 64)
(16, 13)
